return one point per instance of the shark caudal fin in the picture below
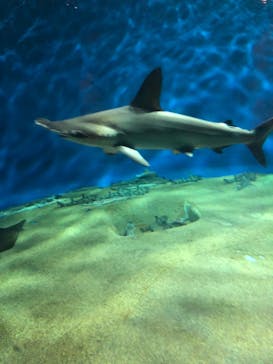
(260, 134)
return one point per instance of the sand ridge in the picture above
(75, 289)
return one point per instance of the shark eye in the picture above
(77, 134)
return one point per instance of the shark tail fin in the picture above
(260, 134)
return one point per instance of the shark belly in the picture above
(166, 130)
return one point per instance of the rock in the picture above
(192, 213)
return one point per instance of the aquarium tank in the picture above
(136, 167)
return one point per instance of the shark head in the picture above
(105, 129)
(79, 130)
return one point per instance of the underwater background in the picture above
(59, 59)
(172, 264)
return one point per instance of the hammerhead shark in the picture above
(144, 125)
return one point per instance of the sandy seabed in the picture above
(98, 280)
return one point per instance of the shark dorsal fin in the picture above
(229, 122)
(148, 96)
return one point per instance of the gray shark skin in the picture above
(144, 125)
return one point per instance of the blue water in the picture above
(59, 59)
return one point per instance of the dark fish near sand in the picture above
(9, 235)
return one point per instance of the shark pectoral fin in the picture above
(133, 154)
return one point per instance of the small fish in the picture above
(144, 125)
(9, 235)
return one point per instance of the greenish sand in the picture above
(74, 289)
